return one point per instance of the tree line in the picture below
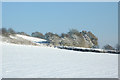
(71, 38)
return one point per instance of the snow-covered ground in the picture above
(33, 39)
(0, 60)
(20, 61)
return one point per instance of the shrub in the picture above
(73, 31)
(3, 32)
(23, 33)
(38, 35)
(11, 31)
(108, 47)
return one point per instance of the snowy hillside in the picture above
(20, 61)
(33, 39)
(21, 39)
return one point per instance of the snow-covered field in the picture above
(20, 61)
(0, 61)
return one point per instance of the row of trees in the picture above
(72, 38)
(73, 31)
(7, 32)
(69, 37)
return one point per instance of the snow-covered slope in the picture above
(20, 61)
(22, 40)
(32, 39)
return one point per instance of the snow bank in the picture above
(46, 62)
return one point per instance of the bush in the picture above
(23, 33)
(11, 31)
(3, 32)
(63, 35)
(6, 32)
(108, 47)
(38, 35)
(73, 31)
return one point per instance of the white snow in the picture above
(0, 60)
(14, 37)
(33, 39)
(20, 61)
